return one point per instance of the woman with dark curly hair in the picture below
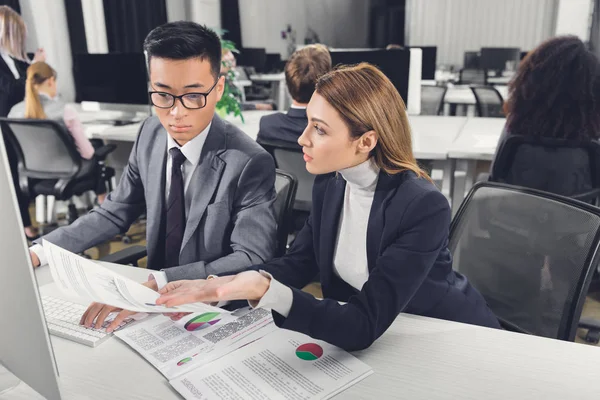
(554, 94)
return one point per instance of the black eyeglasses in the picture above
(191, 101)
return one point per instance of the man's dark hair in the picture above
(556, 92)
(183, 40)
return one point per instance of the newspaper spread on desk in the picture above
(283, 365)
(79, 277)
(175, 348)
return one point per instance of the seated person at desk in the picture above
(553, 95)
(302, 70)
(228, 64)
(206, 187)
(377, 235)
(42, 101)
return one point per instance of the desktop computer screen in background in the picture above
(251, 57)
(496, 58)
(118, 78)
(395, 64)
(428, 62)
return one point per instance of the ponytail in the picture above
(33, 104)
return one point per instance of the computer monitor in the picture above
(120, 79)
(252, 57)
(428, 62)
(273, 63)
(26, 350)
(395, 64)
(472, 60)
(496, 58)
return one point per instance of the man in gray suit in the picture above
(206, 187)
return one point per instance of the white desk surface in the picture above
(433, 135)
(280, 77)
(417, 358)
(478, 139)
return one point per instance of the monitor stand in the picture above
(7, 380)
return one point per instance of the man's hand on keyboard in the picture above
(98, 312)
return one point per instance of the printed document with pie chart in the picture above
(281, 365)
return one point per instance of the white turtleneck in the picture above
(350, 256)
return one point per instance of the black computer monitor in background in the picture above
(395, 64)
(118, 78)
(273, 63)
(252, 57)
(428, 62)
(472, 60)
(495, 58)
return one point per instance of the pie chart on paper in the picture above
(202, 321)
(309, 352)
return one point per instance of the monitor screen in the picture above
(428, 62)
(251, 57)
(393, 63)
(472, 60)
(119, 78)
(495, 58)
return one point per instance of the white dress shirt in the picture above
(350, 256)
(11, 64)
(192, 151)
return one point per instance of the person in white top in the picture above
(377, 236)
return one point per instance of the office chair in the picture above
(48, 161)
(488, 101)
(530, 253)
(468, 76)
(288, 157)
(285, 187)
(432, 99)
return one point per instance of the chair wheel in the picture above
(126, 240)
(592, 336)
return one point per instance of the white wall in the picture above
(47, 25)
(573, 17)
(205, 12)
(456, 26)
(338, 23)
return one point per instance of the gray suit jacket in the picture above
(231, 222)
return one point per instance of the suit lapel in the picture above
(156, 188)
(205, 177)
(330, 220)
(383, 193)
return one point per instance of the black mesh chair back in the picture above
(285, 186)
(531, 254)
(45, 148)
(432, 99)
(289, 157)
(488, 101)
(469, 76)
(565, 167)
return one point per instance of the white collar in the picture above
(192, 149)
(364, 175)
(298, 107)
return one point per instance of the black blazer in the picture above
(287, 127)
(410, 266)
(12, 90)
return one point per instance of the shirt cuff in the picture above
(278, 297)
(160, 277)
(38, 249)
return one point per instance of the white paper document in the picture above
(76, 276)
(175, 348)
(283, 365)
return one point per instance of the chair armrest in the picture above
(103, 151)
(130, 255)
(589, 323)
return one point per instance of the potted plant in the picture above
(230, 101)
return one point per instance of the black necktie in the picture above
(175, 211)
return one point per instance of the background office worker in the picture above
(13, 72)
(207, 188)
(302, 70)
(377, 235)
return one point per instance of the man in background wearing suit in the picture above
(302, 70)
(207, 188)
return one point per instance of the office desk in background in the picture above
(417, 358)
(279, 88)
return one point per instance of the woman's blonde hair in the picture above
(367, 100)
(12, 33)
(37, 73)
